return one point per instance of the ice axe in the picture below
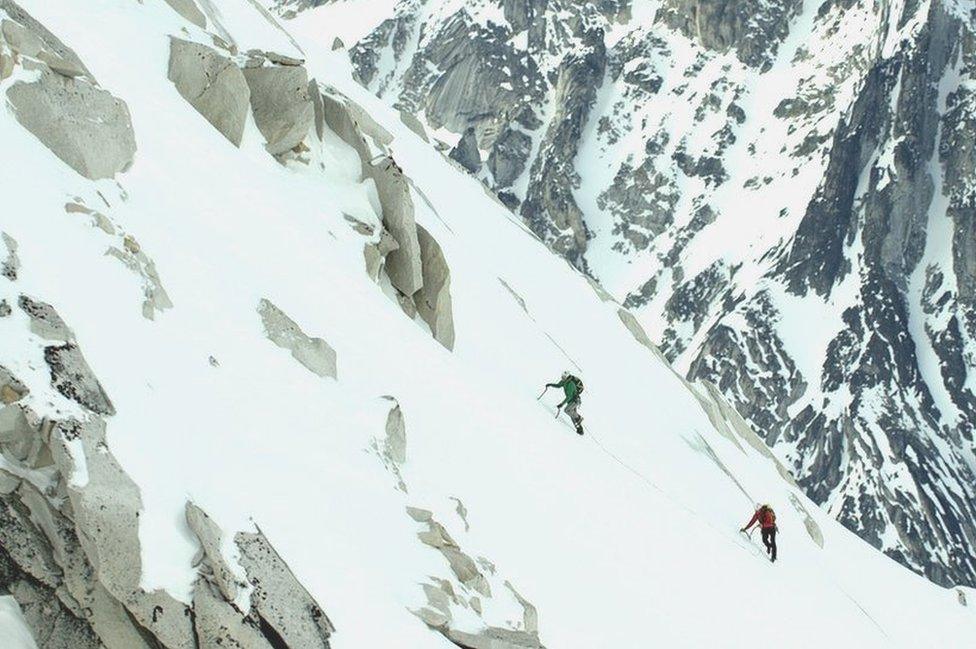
(543, 393)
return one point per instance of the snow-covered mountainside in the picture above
(270, 370)
(783, 191)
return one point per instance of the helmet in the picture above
(565, 375)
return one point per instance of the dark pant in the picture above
(769, 540)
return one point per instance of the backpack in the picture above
(579, 384)
(768, 516)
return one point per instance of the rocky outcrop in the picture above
(466, 152)
(433, 300)
(283, 110)
(130, 253)
(724, 25)
(463, 594)
(288, 614)
(44, 320)
(403, 265)
(314, 353)
(190, 11)
(509, 156)
(213, 84)
(10, 264)
(214, 567)
(401, 249)
(85, 126)
(550, 208)
(69, 539)
(71, 376)
(395, 443)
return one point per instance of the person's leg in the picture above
(772, 543)
(573, 412)
(765, 539)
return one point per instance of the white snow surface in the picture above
(14, 633)
(627, 537)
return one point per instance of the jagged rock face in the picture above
(726, 24)
(782, 193)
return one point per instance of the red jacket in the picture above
(765, 517)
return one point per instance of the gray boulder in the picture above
(85, 126)
(283, 110)
(213, 85)
(395, 444)
(314, 353)
(44, 320)
(466, 152)
(72, 377)
(278, 597)
(11, 389)
(433, 300)
(209, 535)
(403, 265)
(10, 266)
(219, 625)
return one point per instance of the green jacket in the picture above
(569, 387)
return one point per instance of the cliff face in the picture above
(783, 191)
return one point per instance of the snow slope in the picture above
(733, 172)
(623, 538)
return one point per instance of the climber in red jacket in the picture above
(766, 518)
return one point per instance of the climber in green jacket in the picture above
(572, 387)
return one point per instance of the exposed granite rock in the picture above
(44, 320)
(283, 110)
(85, 126)
(550, 208)
(10, 265)
(72, 377)
(395, 444)
(218, 624)
(213, 84)
(29, 37)
(281, 602)
(314, 353)
(433, 300)
(726, 24)
(11, 389)
(466, 152)
(70, 553)
(209, 535)
(404, 265)
(509, 156)
(414, 124)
